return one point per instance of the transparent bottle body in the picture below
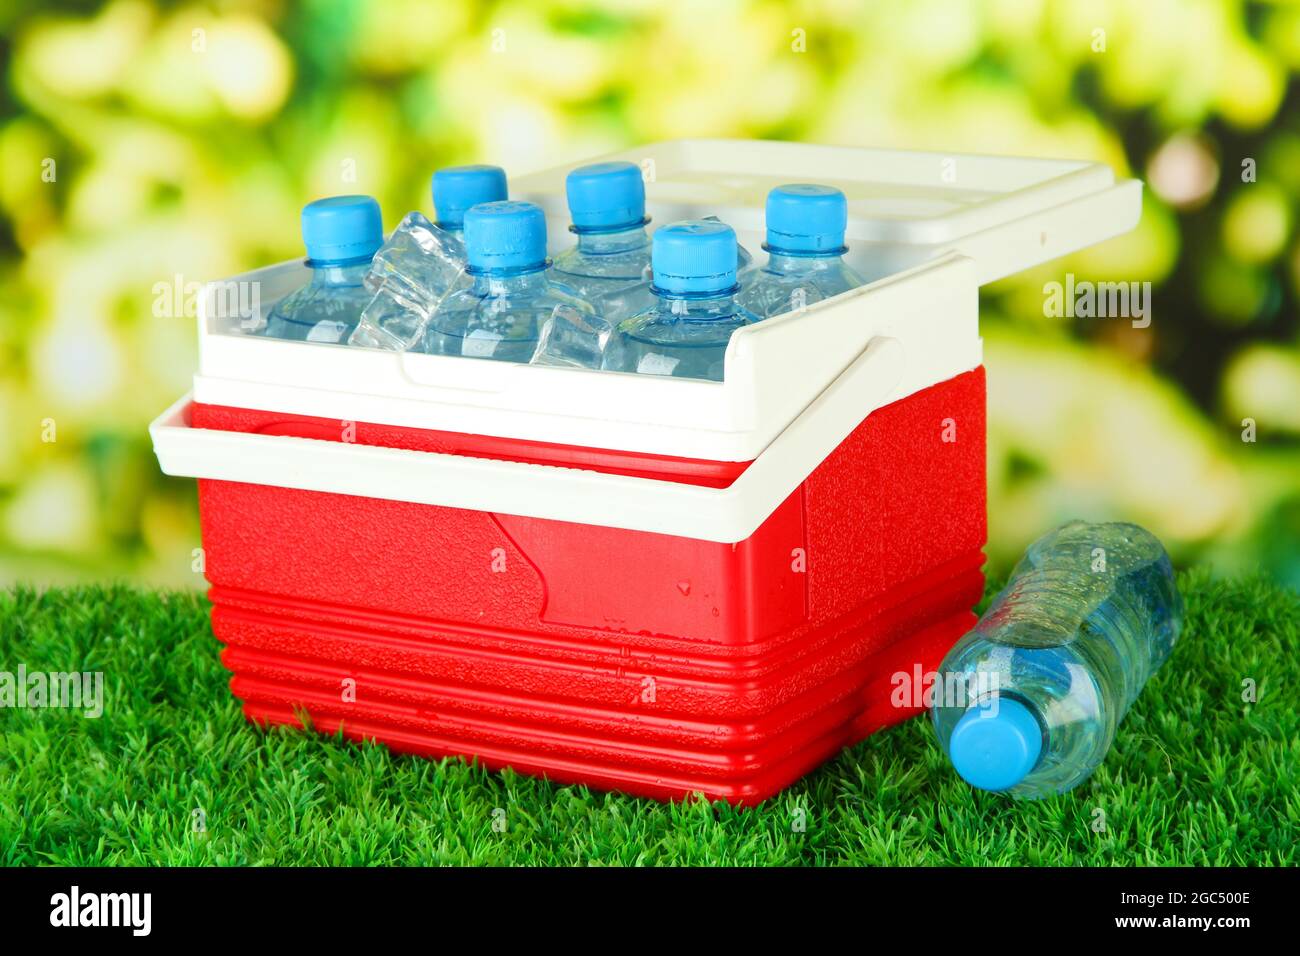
(419, 266)
(1089, 614)
(326, 309)
(504, 317)
(685, 337)
(610, 270)
(790, 283)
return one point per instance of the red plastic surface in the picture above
(648, 663)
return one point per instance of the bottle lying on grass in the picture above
(1029, 701)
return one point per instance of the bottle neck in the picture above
(503, 282)
(605, 243)
(338, 273)
(700, 305)
(785, 263)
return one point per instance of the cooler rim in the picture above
(725, 515)
(774, 370)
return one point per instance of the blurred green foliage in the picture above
(144, 141)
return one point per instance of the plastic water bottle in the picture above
(423, 262)
(341, 234)
(458, 188)
(610, 265)
(685, 333)
(1028, 702)
(512, 299)
(805, 246)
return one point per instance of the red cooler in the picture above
(636, 583)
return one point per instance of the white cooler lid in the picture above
(1006, 213)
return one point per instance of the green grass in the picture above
(1197, 776)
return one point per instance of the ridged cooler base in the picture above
(647, 663)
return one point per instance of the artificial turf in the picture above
(1197, 775)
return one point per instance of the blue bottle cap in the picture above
(457, 188)
(806, 219)
(342, 227)
(995, 748)
(694, 256)
(606, 196)
(505, 236)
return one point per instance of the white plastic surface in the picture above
(726, 515)
(774, 370)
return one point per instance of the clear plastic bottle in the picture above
(341, 235)
(512, 299)
(1029, 701)
(685, 334)
(610, 264)
(423, 262)
(805, 246)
